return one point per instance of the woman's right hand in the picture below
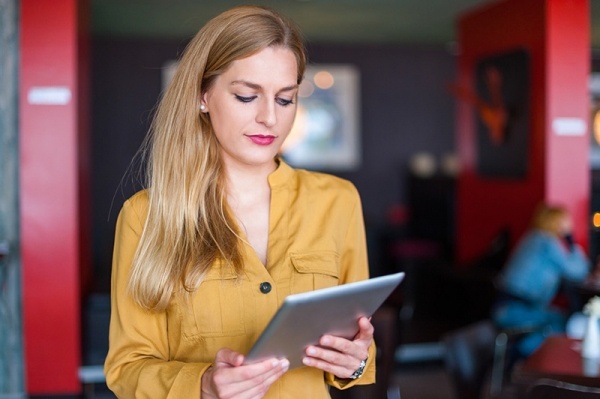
(229, 378)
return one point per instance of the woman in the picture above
(533, 275)
(226, 230)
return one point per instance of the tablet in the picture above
(303, 318)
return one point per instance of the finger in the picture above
(329, 356)
(340, 365)
(365, 328)
(341, 345)
(245, 381)
(261, 383)
(357, 348)
(228, 357)
(257, 391)
(343, 356)
(264, 381)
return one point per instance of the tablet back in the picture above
(304, 318)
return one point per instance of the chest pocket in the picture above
(314, 270)
(216, 308)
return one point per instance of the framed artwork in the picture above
(502, 83)
(326, 134)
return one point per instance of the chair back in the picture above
(468, 357)
(552, 389)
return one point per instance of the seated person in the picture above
(532, 277)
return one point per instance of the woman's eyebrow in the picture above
(256, 86)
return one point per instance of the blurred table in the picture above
(579, 293)
(559, 358)
(589, 288)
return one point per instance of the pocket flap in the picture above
(322, 262)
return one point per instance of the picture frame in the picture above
(326, 131)
(503, 154)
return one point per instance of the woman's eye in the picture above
(244, 99)
(283, 102)
(247, 99)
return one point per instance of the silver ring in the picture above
(359, 371)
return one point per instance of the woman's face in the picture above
(565, 225)
(252, 106)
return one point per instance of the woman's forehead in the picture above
(272, 66)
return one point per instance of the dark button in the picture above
(265, 287)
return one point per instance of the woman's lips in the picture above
(261, 139)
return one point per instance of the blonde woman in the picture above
(226, 230)
(532, 277)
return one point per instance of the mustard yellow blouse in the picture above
(316, 240)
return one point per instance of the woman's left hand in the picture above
(339, 356)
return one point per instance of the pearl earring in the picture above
(202, 107)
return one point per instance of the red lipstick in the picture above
(261, 139)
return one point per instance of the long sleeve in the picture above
(576, 264)
(354, 267)
(137, 365)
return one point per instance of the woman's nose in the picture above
(266, 113)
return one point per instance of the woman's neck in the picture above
(248, 178)
(249, 198)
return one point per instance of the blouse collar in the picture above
(282, 175)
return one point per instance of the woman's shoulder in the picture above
(323, 179)
(546, 238)
(539, 236)
(303, 180)
(139, 199)
(137, 204)
(324, 185)
(540, 243)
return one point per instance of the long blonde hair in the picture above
(189, 226)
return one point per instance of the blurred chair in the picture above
(468, 357)
(505, 356)
(385, 321)
(480, 353)
(552, 389)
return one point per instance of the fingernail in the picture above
(285, 364)
(311, 351)
(306, 361)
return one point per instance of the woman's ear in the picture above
(203, 107)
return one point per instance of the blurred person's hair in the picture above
(549, 217)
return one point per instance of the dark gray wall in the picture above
(405, 109)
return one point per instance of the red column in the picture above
(53, 179)
(568, 110)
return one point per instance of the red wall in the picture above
(556, 35)
(53, 182)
